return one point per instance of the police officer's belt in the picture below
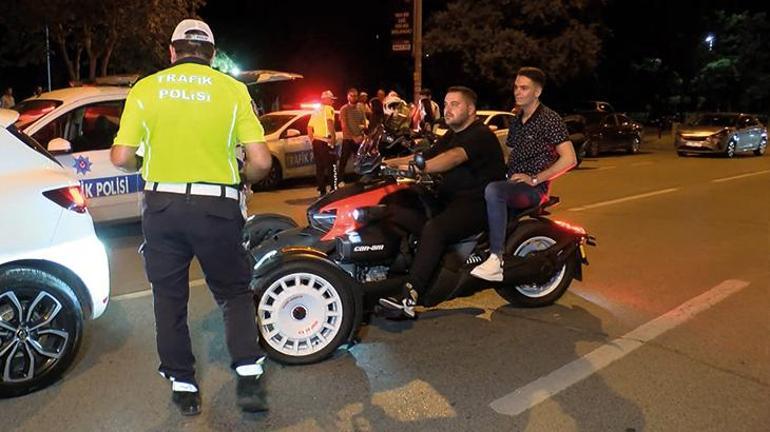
(194, 189)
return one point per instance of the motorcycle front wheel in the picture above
(305, 311)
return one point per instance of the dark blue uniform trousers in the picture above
(177, 227)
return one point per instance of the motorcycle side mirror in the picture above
(419, 161)
(59, 146)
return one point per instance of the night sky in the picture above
(338, 44)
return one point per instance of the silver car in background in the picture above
(722, 133)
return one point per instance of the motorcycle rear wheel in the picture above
(527, 238)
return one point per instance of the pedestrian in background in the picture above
(323, 138)
(352, 120)
(377, 105)
(363, 105)
(7, 101)
(189, 118)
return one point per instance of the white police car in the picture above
(54, 272)
(286, 138)
(77, 125)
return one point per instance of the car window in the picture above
(93, 127)
(609, 121)
(715, 120)
(751, 121)
(574, 126)
(501, 121)
(482, 117)
(52, 129)
(273, 122)
(300, 124)
(623, 119)
(31, 110)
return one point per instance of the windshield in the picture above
(715, 120)
(273, 122)
(31, 143)
(31, 110)
(482, 117)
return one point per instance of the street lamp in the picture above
(710, 38)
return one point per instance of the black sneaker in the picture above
(250, 394)
(189, 403)
(404, 305)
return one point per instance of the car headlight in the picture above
(323, 221)
(717, 137)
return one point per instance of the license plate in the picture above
(693, 144)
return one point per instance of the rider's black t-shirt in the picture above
(485, 162)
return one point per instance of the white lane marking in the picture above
(550, 385)
(624, 199)
(724, 179)
(140, 294)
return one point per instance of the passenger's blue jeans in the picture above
(500, 196)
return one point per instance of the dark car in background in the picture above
(594, 133)
(722, 133)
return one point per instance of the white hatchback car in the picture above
(54, 272)
(77, 125)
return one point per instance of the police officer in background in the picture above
(188, 119)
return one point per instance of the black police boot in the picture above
(250, 393)
(189, 403)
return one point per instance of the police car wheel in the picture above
(272, 180)
(528, 238)
(41, 324)
(305, 311)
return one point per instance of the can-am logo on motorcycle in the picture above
(369, 248)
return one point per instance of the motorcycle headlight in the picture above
(323, 221)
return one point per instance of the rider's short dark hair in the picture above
(469, 95)
(192, 48)
(535, 74)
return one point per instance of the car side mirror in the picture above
(492, 128)
(291, 133)
(419, 161)
(59, 146)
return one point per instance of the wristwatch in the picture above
(534, 180)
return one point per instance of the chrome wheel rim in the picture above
(731, 149)
(300, 314)
(537, 244)
(33, 335)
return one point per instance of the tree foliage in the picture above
(491, 39)
(734, 73)
(94, 37)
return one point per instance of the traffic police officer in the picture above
(188, 120)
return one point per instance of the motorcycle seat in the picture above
(537, 210)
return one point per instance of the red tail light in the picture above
(569, 227)
(70, 198)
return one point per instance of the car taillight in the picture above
(70, 197)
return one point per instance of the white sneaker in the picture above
(491, 269)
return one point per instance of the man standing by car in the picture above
(469, 156)
(323, 138)
(189, 119)
(540, 152)
(352, 120)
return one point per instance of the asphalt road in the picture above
(669, 331)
